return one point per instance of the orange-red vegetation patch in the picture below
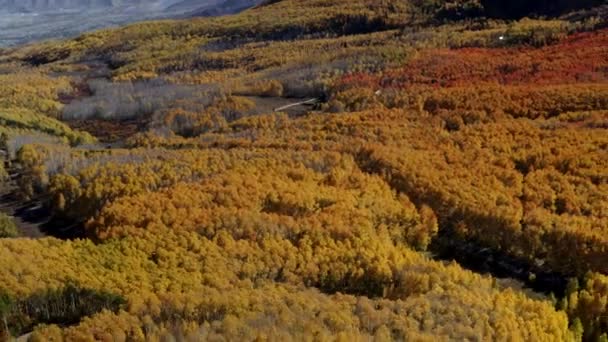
(579, 58)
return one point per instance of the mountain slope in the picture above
(74, 5)
(25, 21)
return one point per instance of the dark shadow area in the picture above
(477, 258)
(34, 220)
(517, 9)
(41, 216)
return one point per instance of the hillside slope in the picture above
(212, 212)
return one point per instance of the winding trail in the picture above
(296, 104)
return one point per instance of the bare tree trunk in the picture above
(6, 333)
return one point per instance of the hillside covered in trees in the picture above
(418, 170)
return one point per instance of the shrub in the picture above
(8, 228)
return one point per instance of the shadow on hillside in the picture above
(34, 220)
(477, 258)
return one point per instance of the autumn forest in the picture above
(311, 170)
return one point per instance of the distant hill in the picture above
(28, 6)
(187, 5)
(195, 8)
(227, 7)
(157, 6)
(23, 21)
